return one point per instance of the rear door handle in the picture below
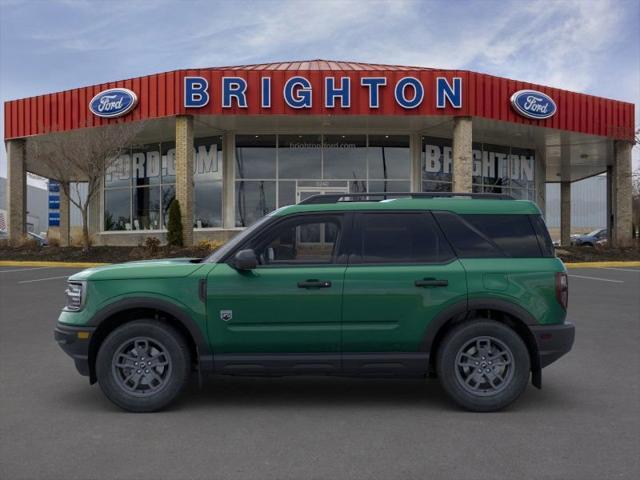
(314, 284)
(431, 282)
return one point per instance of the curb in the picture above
(602, 264)
(19, 263)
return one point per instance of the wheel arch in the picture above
(129, 309)
(503, 311)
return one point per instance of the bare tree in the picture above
(82, 156)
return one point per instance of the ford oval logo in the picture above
(533, 104)
(114, 102)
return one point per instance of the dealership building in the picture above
(234, 143)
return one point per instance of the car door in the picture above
(289, 304)
(401, 274)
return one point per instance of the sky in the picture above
(582, 45)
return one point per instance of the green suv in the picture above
(465, 287)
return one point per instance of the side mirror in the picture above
(245, 260)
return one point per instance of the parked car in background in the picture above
(41, 239)
(590, 239)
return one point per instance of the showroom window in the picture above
(277, 170)
(496, 168)
(140, 186)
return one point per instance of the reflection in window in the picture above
(254, 199)
(146, 208)
(389, 157)
(151, 170)
(345, 156)
(496, 168)
(207, 178)
(117, 215)
(208, 204)
(255, 156)
(300, 156)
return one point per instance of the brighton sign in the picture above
(113, 103)
(533, 104)
(408, 92)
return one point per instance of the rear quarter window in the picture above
(489, 235)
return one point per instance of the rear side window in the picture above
(400, 238)
(483, 236)
(467, 240)
(544, 240)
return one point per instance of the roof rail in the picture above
(377, 196)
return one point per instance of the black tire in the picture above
(483, 346)
(121, 365)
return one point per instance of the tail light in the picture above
(562, 289)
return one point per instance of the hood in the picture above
(164, 268)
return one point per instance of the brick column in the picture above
(622, 192)
(16, 191)
(462, 154)
(415, 147)
(565, 213)
(228, 180)
(184, 174)
(65, 219)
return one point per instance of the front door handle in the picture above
(314, 284)
(431, 282)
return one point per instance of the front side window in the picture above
(394, 238)
(300, 241)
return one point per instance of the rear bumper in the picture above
(553, 341)
(75, 343)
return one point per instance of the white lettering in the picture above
(532, 104)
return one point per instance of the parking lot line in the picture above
(622, 269)
(597, 278)
(43, 279)
(23, 269)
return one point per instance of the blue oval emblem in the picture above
(114, 102)
(533, 104)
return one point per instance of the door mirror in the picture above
(245, 260)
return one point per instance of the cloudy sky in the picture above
(582, 45)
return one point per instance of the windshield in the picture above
(594, 233)
(235, 241)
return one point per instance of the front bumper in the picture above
(553, 341)
(75, 343)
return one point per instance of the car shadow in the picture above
(312, 392)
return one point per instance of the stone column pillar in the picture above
(65, 218)
(16, 191)
(184, 174)
(610, 203)
(565, 213)
(622, 193)
(415, 147)
(462, 154)
(228, 180)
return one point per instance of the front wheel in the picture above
(483, 365)
(143, 365)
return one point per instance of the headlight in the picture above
(75, 294)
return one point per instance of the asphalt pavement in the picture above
(583, 424)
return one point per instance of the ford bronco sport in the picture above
(465, 287)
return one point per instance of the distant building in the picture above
(37, 207)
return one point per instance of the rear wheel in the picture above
(143, 365)
(483, 365)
